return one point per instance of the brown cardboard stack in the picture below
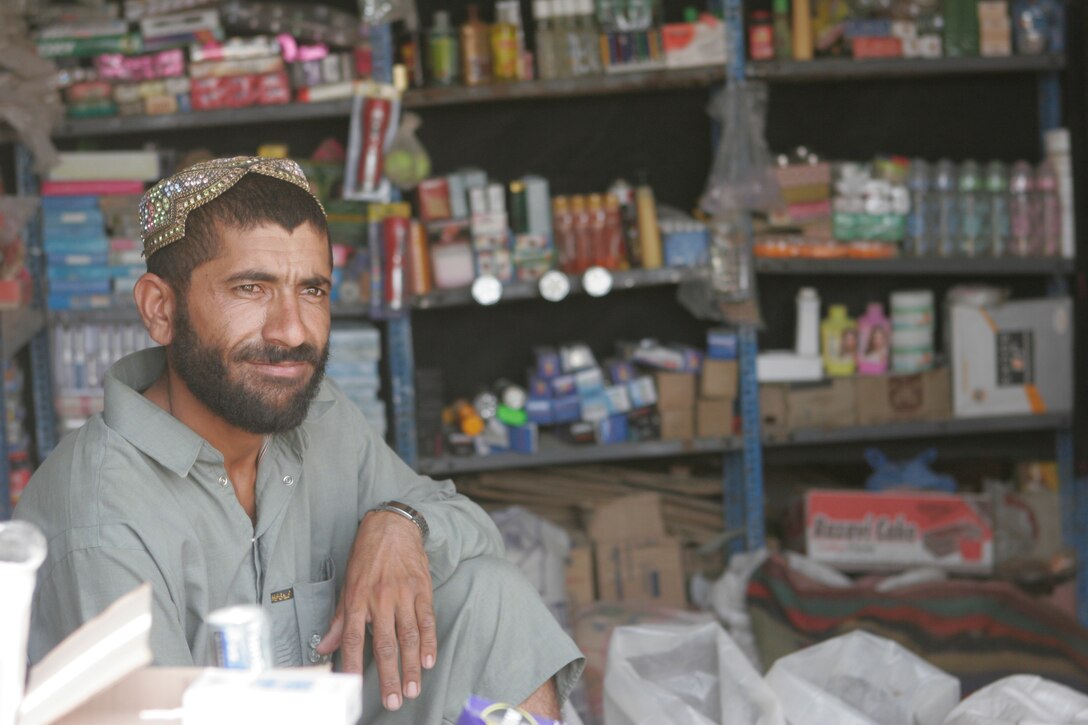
(636, 560)
(896, 398)
(717, 393)
(676, 403)
(827, 404)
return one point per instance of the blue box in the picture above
(77, 260)
(79, 287)
(686, 249)
(867, 28)
(589, 381)
(127, 270)
(621, 371)
(65, 273)
(643, 392)
(612, 429)
(524, 438)
(539, 410)
(52, 204)
(563, 385)
(78, 302)
(619, 399)
(539, 387)
(721, 344)
(86, 245)
(567, 409)
(547, 362)
(595, 407)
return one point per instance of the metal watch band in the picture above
(407, 512)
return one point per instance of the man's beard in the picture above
(259, 406)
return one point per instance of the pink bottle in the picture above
(874, 341)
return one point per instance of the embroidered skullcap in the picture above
(165, 206)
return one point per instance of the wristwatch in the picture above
(407, 512)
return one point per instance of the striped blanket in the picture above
(978, 631)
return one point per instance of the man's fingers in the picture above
(408, 643)
(331, 641)
(385, 650)
(351, 643)
(428, 631)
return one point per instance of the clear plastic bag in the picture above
(683, 674)
(1021, 700)
(862, 679)
(407, 162)
(742, 176)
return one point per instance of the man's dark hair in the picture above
(256, 199)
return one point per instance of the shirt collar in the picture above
(156, 432)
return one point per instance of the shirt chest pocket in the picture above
(300, 618)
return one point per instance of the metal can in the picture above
(240, 638)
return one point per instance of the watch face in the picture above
(499, 714)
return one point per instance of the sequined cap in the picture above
(166, 205)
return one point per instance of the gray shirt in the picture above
(135, 495)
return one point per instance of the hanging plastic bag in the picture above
(862, 679)
(1021, 699)
(690, 674)
(407, 162)
(914, 473)
(742, 176)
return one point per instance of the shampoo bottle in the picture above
(874, 340)
(840, 342)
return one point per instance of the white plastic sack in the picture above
(683, 675)
(1021, 700)
(861, 679)
(539, 549)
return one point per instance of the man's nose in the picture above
(284, 325)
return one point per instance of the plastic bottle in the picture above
(997, 206)
(1021, 223)
(970, 212)
(563, 229)
(590, 37)
(505, 58)
(919, 237)
(807, 339)
(571, 46)
(783, 37)
(802, 30)
(442, 55)
(613, 231)
(598, 243)
(944, 189)
(874, 341)
(583, 235)
(475, 50)
(1048, 235)
(840, 342)
(546, 62)
(648, 233)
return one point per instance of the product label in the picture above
(1015, 358)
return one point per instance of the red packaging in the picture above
(375, 118)
(878, 47)
(434, 199)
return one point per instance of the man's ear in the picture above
(156, 303)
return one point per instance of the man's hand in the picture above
(388, 586)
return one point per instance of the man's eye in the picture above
(248, 288)
(315, 291)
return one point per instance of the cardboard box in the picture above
(714, 418)
(635, 559)
(675, 390)
(580, 580)
(678, 424)
(1013, 359)
(863, 531)
(891, 398)
(829, 404)
(718, 379)
(774, 409)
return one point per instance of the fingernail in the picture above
(428, 661)
(412, 690)
(392, 702)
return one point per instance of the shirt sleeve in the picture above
(86, 581)
(459, 528)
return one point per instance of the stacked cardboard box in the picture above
(717, 394)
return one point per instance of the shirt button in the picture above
(288, 480)
(315, 639)
(223, 480)
(315, 657)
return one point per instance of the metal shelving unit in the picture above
(554, 452)
(639, 82)
(945, 266)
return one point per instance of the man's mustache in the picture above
(273, 354)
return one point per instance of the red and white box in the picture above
(866, 531)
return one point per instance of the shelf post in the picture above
(398, 333)
(41, 369)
